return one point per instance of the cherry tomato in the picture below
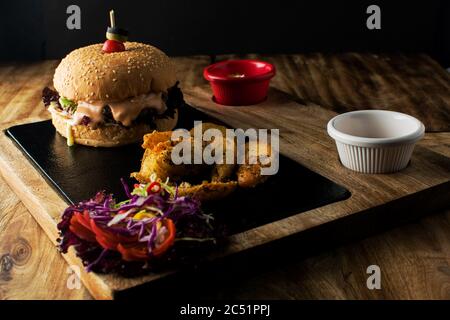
(113, 46)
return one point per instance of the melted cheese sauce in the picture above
(123, 111)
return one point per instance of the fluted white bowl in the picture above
(375, 141)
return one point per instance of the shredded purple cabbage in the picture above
(194, 229)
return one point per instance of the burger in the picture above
(111, 99)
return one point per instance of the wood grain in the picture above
(30, 267)
(413, 84)
(416, 257)
(413, 259)
(303, 138)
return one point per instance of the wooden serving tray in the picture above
(303, 138)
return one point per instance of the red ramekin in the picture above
(239, 82)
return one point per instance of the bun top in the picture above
(89, 74)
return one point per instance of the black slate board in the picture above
(78, 172)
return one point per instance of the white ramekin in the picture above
(375, 141)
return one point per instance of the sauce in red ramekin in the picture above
(239, 82)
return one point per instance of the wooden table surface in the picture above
(414, 258)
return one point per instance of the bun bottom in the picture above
(111, 135)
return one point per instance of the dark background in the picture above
(36, 29)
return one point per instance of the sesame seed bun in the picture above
(113, 135)
(89, 74)
(97, 78)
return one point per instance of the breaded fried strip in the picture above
(152, 139)
(249, 175)
(208, 191)
(222, 179)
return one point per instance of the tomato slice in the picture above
(106, 239)
(131, 250)
(84, 218)
(106, 244)
(80, 230)
(109, 240)
(133, 253)
(168, 241)
(139, 252)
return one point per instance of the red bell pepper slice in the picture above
(154, 187)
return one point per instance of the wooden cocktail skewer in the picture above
(112, 19)
(115, 36)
